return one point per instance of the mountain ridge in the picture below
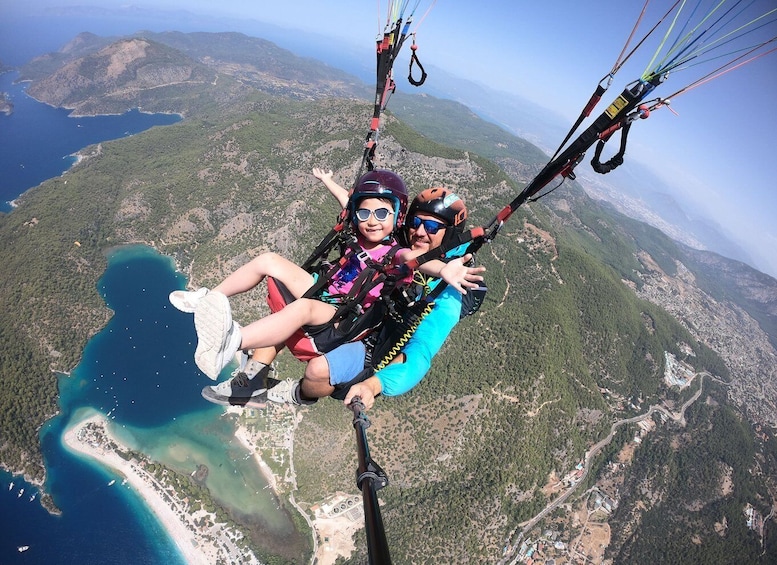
(518, 116)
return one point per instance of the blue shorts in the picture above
(345, 362)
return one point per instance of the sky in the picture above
(719, 149)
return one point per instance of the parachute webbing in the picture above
(616, 160)
(629, 105)
(606, 81)
(414, 59)
(617, 113)
(338, 235)
(388, 47)
(627, 101)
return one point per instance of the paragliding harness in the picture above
(383, 346)
(408, 306)
(351, 321)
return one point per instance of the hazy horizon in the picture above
(710, 151)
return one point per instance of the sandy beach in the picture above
(206, 545)
(92, 438)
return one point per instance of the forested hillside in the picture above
(561, 349)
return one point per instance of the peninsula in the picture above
(199, 538)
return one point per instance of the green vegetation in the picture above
(695, 490)
(559, 351)
(459, 127)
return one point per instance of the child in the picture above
(376, 207)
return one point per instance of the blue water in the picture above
(101, 523)
(37, 141)
(139, 370)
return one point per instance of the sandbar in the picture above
(199, 544)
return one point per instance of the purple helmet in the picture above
(380, 183)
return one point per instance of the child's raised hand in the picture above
(335, 189)
(321, 174)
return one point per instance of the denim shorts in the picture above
(345, 362)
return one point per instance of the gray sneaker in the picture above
(287, 392)
(284, 392)
(247, 386)
(187, 300)
(218, 337)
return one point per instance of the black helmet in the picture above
(380, 183)
(444, 204)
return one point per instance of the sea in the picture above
(138, 371)
(38, 142)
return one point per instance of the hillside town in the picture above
(580, 533)
(727, 329)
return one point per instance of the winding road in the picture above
(591, 455)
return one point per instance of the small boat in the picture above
(33, 497)
(22, 548)
(111, 483)
(10, 487)
(21, 492)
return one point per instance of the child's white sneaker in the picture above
(187, 300)
(218, 337)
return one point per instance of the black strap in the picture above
(337, 235)
(414, 58)
(617, 159)
(375, 273)
(325, 274)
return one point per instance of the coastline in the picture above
(244, 436)
(198, 544)
(332, 527)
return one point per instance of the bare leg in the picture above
(266, 355)
(280, 326)
(315, 384)
(295, 278)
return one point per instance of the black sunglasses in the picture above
(381, 214)
(431, 226)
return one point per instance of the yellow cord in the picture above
(394, 351)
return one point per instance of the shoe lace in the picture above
(240, 379)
